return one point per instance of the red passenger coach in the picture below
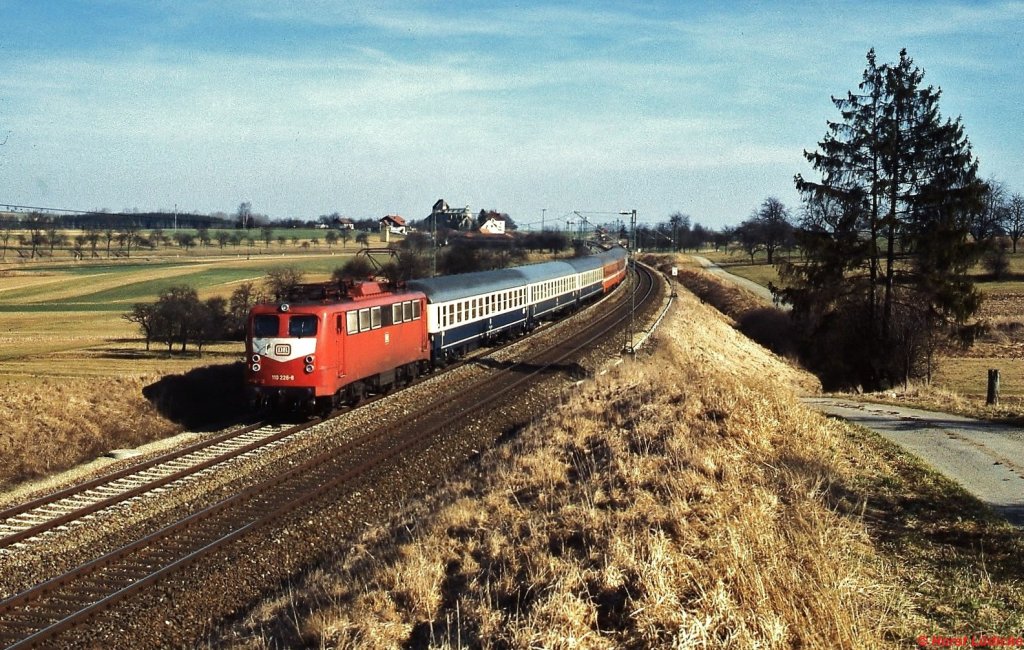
(614, 265)
(320, 354)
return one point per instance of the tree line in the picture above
(38, 235)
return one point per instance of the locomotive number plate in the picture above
(283, 377)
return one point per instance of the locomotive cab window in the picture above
(302, 326)
(264, 326)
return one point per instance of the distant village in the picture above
(443, 222)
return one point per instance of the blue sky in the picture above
(373, 108)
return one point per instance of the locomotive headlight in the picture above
(255, 358)
(255, 367)
(309, 367)
(309, 360)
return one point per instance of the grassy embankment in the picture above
(685, 499)
(72, 370)
(959, 383)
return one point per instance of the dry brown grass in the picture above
(52, 423)
(682, 500)
(724, 296)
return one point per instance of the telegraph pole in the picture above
(628, 347)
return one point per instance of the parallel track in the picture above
(61, 508)
(35, 616)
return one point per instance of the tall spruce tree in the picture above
(885, 232)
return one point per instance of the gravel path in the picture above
(986, 458)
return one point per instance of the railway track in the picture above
(37, 615)
(75, 503)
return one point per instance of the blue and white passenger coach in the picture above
(466, 310)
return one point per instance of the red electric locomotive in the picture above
(319, 354)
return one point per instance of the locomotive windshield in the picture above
(264, 326)
(302, 326)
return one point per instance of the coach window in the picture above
(352, 322)
(364, 320)
(263, 326)
(396, 313)
(302, 326)
(375, 321)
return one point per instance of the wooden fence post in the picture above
(993, 388)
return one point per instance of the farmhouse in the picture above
(394, 224)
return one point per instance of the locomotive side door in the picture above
(338, 352)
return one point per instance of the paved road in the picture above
(986, 458)
(749, 285)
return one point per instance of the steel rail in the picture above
(152, 484)
(22, 508)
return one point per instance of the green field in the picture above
(110, 288)
(64, 318)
